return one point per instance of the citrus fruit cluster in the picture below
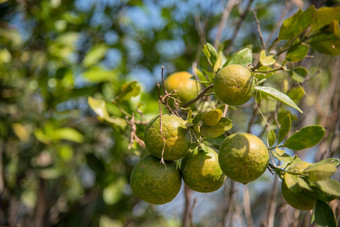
(158, 183)
(242, 157)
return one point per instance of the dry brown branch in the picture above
(272, 204)
(228, 194)
(133, 133)
(223, 21)
(187, 215)
(200, 95)
(278, 24)
(238, 25)
(246, 204)
(259, 30)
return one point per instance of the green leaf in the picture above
(332, 161)
(326, 42)
(200, 75)
(263, 72)
(212, 117)
(297, 93)
(325, 16)
(95, 54)
(285, 128)
(216, 130)
(243, 57)
(114, 191)
(303, 184)
(329, 186)
(68, 134)
(266, 60)
(210, 75)
(291, 181)
(306, 137)
(297, 52)
(282, 156)
(278, 95)
(258, 97)
(323, 215)
(320, 172)
(99, 107)
(298, 74)
(98, 74)
(218, 63)
(296, 24)
(271, 137)
(210, 52)
(128, 90)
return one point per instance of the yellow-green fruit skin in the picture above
(234, 85)
(174, 132)
(186, 88)
(201, 171)
(154, 182)
(243, 157)
(303, 200)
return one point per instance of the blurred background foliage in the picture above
(60, 165)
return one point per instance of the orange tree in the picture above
(63, 64)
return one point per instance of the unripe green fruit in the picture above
(234, 85)
(155, 182)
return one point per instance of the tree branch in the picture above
(238, 25)
(259, 30)
(200, 95)
(187, 215)
(225, 16)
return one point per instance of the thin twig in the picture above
(2, 183)
(225, 110)
(164, 90)
(238, 25)
(160, 123)
(246, 204)
(252, 119)
(228, 194)
(259, 30)
(272, 205)
(186, 221)
(133, 133)
(225, 16)
(269, 71)
(200, 95)
(201, 28)
(278, 24)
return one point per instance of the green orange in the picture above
(234, 85)
(175, 143)
(243, 157)
(155, 182)
(186, 88)
(201, 171)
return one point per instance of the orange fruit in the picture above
(201, 171)
(154, 182)
(186, 88)
(243, 157)
(176, 143)
(234, 85)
